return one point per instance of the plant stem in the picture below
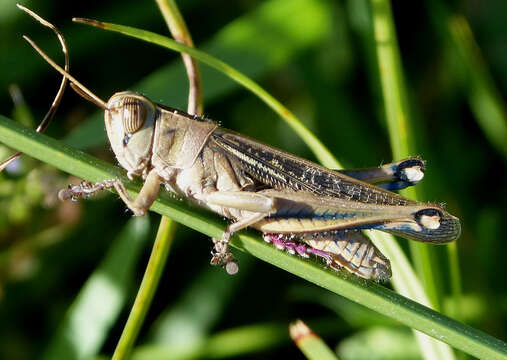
(147, 289)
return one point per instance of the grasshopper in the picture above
(299, 206)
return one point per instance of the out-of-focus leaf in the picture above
(187, 323)
(98, 304)
(380, 343)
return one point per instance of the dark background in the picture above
(317, 58)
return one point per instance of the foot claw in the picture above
(221, 256)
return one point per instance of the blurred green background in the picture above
(318, 58)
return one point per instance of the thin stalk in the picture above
(180, 33)
(147, 289)
(166, 227)
(310, 344)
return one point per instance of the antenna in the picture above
(83, 90)
(54, 106)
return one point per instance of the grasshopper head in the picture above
(130, 120)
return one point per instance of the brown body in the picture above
(263, 187)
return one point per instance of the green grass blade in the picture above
(324, 156)
(399, 124)
(195, 316)
(402, 144)
(484, 97)
(369, 294)
(167, 227)
(267, 52)
(389, 343)
(154, 269)
(391, 76)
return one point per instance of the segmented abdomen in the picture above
(353, 251)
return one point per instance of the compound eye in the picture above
(134, 115)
